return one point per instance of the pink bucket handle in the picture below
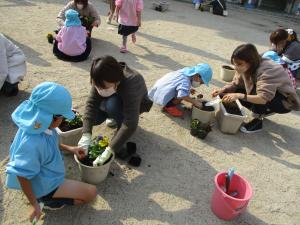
(235, 211)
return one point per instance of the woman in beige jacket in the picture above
(262, 86)
(87, 12)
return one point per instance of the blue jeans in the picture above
(113, 109)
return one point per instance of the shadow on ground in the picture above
(8, 129)
(169, 191)
(32, 56)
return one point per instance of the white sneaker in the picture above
(110, 122)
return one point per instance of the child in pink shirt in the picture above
(72, 42)
(128, 13)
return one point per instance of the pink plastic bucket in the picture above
(225, 206)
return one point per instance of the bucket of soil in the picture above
(227, 73)
(94, 174)
(70, 131)
(230, 117)
(205, 115)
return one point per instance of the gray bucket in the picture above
(93, 175)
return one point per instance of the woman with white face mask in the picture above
(176, 86)
(117, 92)
(263, 86)
(88, 14)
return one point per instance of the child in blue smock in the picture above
(176, 86)
(277, 59)
(36, 166)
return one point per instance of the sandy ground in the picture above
(175, 181)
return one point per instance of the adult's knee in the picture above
(113, 104)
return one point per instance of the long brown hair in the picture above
(278, 35)
(249, 54)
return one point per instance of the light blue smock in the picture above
(172, 85)
(37, 158)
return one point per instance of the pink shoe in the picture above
(133, 38)
(123, 49)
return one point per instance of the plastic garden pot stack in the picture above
(94, 175)
(160, 5)
(70, 137)
(70, 131)
(227, 73)
(224, 205)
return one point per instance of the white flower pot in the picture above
(227, 73)
(70, 137)
(230, 123)
(93, 175)
(202, 115)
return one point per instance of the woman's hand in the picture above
(217, 92)
(231, 97)
(78, 151)
(35, 212)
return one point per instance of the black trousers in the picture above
(273, 106)
(9, 89)
(77, 58)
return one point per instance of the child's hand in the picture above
(139, 23)
(35, 212)
(193, 91)
(79, 152)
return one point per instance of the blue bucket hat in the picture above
(35, 115)
(203, 69)
(273, 56)
(72, 18)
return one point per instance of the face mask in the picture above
(106, 92)
(79, 6)
(195, 84)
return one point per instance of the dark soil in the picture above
(89, 162)
(64, 126)
(207, 108)
(232, 108)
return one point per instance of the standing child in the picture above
(298, 10)
(112, 8)
(176, 86)
(72, 42)
(128, 13)
(36, 165)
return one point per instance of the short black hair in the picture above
(107, 69)
(249, 54)
(83, 2)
